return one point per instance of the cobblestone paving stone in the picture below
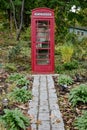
(43, 108)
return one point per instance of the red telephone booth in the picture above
(42, 37)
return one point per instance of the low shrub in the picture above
(22, 82)
(20, 95)
(64, 79)
(15, 120)
(15, 77)
(81, 121)
(26, 35)
(71, 65)
(78, 95)
(14, 52)
(59, 68)
(66, 52)
(10, 67)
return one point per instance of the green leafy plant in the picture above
(78, 94)
(81, 121)
(71, 37)
(59, 68)
(20, 94)
(26, 35)
(10, 67)
(14, 52)
(15, 119)
(71, 65)
(15, 77)
(65, 79)
(22, 82)
(66, 53)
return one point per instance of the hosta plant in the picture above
(15, 120)
(65, 79)
(20, 95)
(15, 77)
(78, 95)
(22, 82)
(81, 121)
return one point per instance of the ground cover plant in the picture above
(15, 119)
(81, 121)
(71, 65)
(22, 95)
(78, 95)
(72, 115)
(65, 80)
(22, 82)
(14, 113)
(14, 77)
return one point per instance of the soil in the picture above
(69, 113)
(4, 91)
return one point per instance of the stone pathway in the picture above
(44, 109)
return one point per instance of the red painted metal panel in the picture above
(42, 37)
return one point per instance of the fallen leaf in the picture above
(21, 106)
(52, 116)
(70, 121)
(38, 122)
(58, 120)
(78, 111)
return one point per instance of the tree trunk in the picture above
(18, 29)
(11, 24)
(21, 23)
(14, 15)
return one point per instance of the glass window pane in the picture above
(43, 42)
(43, 31)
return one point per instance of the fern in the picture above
(64, 79)
(15, 119)
(81, 122)
(20, 95)
(78, 94)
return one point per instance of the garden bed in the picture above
(15, 93)
(69, 112)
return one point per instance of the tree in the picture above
(83, 14)
(20, 11)
(18, 29)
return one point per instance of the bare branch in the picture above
(14, 15)
(21, 23)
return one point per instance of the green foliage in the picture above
(84, 64)
(26, 35)
(14, 77)
(81, 121)
(22, 82)
(57, 50)
(14, 52)
(15, 119)
(71, 65)
(81, 49)
(78, 94)
(71, 37)
(83, 13)
(66, 53)
(20, 94)
(64, 79)
(10, 67)
(63, 15)
(59, 68)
